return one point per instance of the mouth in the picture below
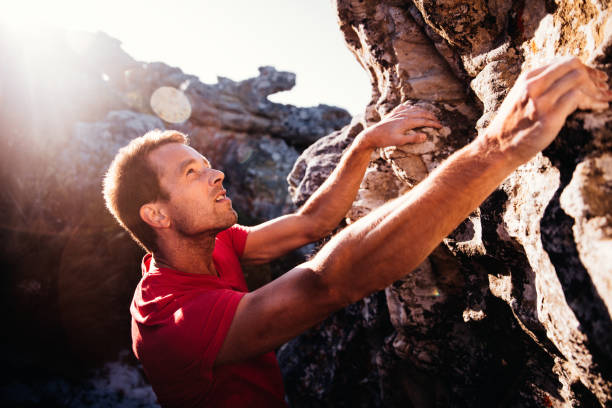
(221, 197)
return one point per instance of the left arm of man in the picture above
(329, 204)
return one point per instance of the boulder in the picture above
(513, 308)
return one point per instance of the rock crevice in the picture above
(521, 290)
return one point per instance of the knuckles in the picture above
(581, 74)
(532, 86)
(572, 62)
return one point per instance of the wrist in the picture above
(361, 143)
(490, 148)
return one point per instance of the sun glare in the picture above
(210, 38)
(66, 14)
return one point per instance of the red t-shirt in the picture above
(179, 322)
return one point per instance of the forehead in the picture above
(168, 159)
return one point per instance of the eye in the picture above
(190, 171)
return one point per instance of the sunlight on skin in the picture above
(231, 39)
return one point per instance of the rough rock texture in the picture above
(69, 102)
(514, 308)
(240, 107)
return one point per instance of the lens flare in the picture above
(244, 153)
(170, 104)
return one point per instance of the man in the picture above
(201, 338)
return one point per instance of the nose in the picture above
(217, 176)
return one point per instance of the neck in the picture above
(187, 254)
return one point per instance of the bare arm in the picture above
(379, 249)
(329, 204)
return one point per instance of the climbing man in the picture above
(202, 338)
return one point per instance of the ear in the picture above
(155, 215)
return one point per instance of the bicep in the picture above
(275, 238)
(277, 312)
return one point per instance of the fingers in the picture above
(412, 123)
(597, 74)
(569, 85)
(413, 136)
(402, 121)
(568, 102)
(535, 72)
(546, 76)
(577, 78)
(411, 110)
(413, 117)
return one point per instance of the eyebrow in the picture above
(184, 164)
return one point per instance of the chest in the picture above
(228, 266)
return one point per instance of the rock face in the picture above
(75, 99)
(514, 308)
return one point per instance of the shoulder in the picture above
(235, 237)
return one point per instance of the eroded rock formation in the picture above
(69, 102)
(513, 309)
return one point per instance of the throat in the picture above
(198, 262)
(187, 253)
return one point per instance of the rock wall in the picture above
(69, 101)
(514, 308)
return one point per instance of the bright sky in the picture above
(228, 38)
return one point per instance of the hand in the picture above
(538, 104)
(393, 129)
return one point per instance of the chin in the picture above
(232, 219)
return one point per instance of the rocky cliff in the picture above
(514, 308)
(69, 101)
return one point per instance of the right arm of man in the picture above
(379, 248)
(328, 205)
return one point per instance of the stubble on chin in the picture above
(193, 229)
(233, 218)
(224, 222)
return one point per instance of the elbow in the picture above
(342, 297)
(350, 293)
(341, 265)
(324, 294)
(319, 232)
(317, 227)
(339, 293)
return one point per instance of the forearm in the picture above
(332, 200)
(391, 241)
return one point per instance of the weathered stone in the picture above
(513, 308)
(379, 185)
(352, 337)
(238, 106)
(318, 161)
(532, 301)
(587, 199)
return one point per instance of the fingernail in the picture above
(602, 75)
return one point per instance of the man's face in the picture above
(197, 201)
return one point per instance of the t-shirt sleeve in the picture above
(238, 235)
